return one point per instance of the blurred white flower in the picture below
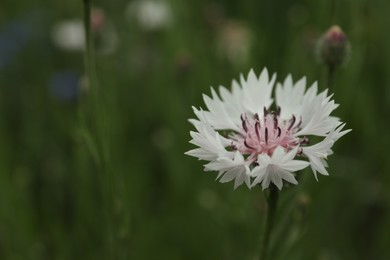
(242, 136)
(234, 42)
(70, 34)
(150, 14)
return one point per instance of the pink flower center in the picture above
(264, 135)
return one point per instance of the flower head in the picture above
(245, 134)
(234, 42)
(69, 35)
(14, 36)
(151, 15)
(65, 85)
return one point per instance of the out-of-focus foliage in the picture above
(100, 172)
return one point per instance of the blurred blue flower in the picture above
(14, 36)
(65, 85)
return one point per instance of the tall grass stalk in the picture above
(96, 132)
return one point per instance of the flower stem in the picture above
(98, 137)
(330, 75)
(272, 200)
(88, 57)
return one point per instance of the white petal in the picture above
(217, 115)
(229, 175)
(278, 154)
(288, 176)
(295, 165)
(288, 156)
(318, 153)
(289, 97)
(318, 120)
(211, 144)
(201, 154)
(243, 176)
(231, 169)
(317, 165)
(258, 173)
(263, 160)
(267, 179)
(257, 92)
(277, 168)
(275, 178)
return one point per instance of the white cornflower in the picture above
(69, 35)
(234, 42)
(245, 135)
(151, 15)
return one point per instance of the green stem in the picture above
(332, 11)
(88, 57)
(269, 221)
(99, 136)
(330, 76)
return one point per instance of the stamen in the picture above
(279, 132)
(260, 135)
(257, 129)
(248, 146)
(292, 123)
(244, 126)
(300, 122)
(275, 122)
(304, 140)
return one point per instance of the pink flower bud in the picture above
(333, 47)
(98, 18)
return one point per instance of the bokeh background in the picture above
(99, 172)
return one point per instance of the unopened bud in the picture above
(98, 18)
(333, 47)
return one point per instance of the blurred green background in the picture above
(100, 172)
